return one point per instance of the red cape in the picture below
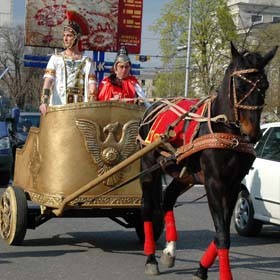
(107, 91)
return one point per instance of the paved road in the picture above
(99, 249)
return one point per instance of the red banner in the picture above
(129, 24)
(111, 24)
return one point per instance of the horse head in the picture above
(247, 84)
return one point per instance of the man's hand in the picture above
(43, 109)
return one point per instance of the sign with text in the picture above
(129, 24)
(108, 24)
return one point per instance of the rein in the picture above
(143, 173)
(238, 104)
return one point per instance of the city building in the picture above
(247, 13)
(6, 19)
(6, 13)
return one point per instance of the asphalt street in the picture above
(100, 249)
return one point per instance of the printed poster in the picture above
(109, 24)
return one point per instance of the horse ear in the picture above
(234, 51)
(267, 57)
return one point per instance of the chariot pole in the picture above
(115, 169)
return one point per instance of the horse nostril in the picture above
(246, 138)
(253, 139)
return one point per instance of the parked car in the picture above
(6, 156)
(259, 199)
(26, 120)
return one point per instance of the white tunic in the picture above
(57, 68)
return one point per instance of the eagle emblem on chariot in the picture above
(115, 147)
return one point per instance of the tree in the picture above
(12, 45)
(22, 85)
(169, 84)
(212, 31)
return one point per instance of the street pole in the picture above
(188, 50)
(4, 72)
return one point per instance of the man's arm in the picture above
(92, 82)
(92, 88)
(48, 83)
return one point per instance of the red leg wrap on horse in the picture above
(209, 256)
(225, 272)
(149, 245)
(171, 232)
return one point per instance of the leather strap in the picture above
(225, 141)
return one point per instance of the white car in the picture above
(259, 199)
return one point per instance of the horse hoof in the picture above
(195, 277)
(151, 269)
(200, 275)
(167, 260)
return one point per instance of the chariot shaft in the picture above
(109, 173)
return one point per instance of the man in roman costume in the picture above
(120, 83)
(69, 76)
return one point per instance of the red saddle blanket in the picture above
(167, 117)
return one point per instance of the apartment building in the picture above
(253, 12)
(6, 13)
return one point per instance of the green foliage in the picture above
(172, 28)
(212, 30)
(169, 84)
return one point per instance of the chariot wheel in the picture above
(13, 215)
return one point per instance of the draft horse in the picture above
(212, 145)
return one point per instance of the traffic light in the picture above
(142, 58)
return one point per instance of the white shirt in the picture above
(56, 70)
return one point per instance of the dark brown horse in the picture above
(218, 152)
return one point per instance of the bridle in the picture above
(238, 103)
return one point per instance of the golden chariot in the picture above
(83, 161)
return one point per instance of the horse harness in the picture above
(214, 141)
(208, 141)
(238, 103)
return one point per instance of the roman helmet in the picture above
(77, 25)
(122, 57)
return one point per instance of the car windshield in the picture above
(25, 122)
(269, 145)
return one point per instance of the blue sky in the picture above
(151, 11)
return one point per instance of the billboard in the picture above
(110, 23)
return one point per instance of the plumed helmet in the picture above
(77, 24)
(122, 56)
